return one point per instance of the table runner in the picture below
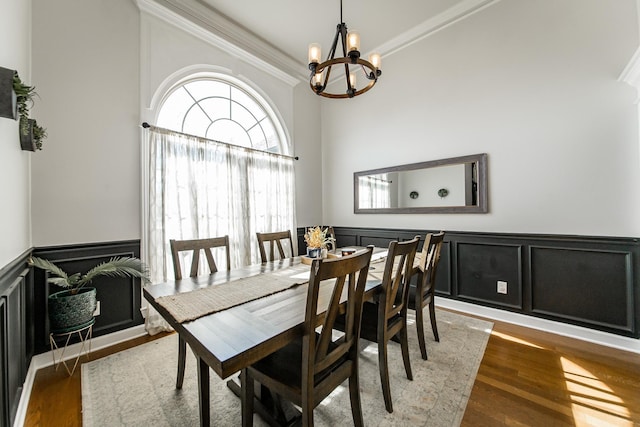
(201, 302)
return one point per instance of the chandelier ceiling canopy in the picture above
(321, 71)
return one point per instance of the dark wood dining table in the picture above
(232, 339)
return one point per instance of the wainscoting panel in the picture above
(587, 286)
(589, 281)
(120, 298)
(14, 335)
(444, 280)
(480, 266)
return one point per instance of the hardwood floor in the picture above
(526, 378)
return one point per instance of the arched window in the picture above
(217, 164)
(223, 111)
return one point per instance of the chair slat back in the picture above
(397, 273)
(195, 246)
(429, 260)
(274, 240)
(321, 351)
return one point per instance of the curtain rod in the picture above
(148, 126)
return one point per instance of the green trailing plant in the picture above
(24, 99)
(39, 135)
(115, 267)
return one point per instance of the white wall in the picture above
(533, 85)
(86, 181)
(15, 54)
(307, 131)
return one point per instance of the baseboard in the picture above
(44, 360)
(563, 329)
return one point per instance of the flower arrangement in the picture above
(316, 238)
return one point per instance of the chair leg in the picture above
(354, 394)
(182, 356)
(432, 315)
(246, 397)
(384, 374)
(420, 328)
(307, 411)
(404, 345)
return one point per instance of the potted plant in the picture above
(32, 139)
(317, 240)
(24, 97)
(73, 307)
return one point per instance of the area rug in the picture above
(136, 387)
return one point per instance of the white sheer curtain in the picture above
(200, 188)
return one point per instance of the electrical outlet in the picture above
(502, 287)
(97, 312)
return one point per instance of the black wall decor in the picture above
(8, 99)
(582, 280)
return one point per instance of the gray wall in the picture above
(86, 181)
(531, 83)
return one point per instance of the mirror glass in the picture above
(454, 185)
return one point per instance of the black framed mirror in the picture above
(454, 185)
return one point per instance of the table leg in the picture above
(273, 410)
(203, 393)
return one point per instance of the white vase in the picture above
(313, 252)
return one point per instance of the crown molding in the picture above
(450, 16)
(202, 22)
(631, 74)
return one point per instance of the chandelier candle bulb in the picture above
(317, 79)
(315, 53)
(352, 80)
(353, 41)
(375, 60)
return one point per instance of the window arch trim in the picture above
(200, 72)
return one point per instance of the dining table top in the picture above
(236, 337)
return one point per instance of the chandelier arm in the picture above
(343, 37)
(332, 51)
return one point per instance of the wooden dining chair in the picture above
(308, 369)
(274, 240)
(195, 246)
(386, 316)
(423, 294)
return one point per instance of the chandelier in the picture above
(321, 71)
